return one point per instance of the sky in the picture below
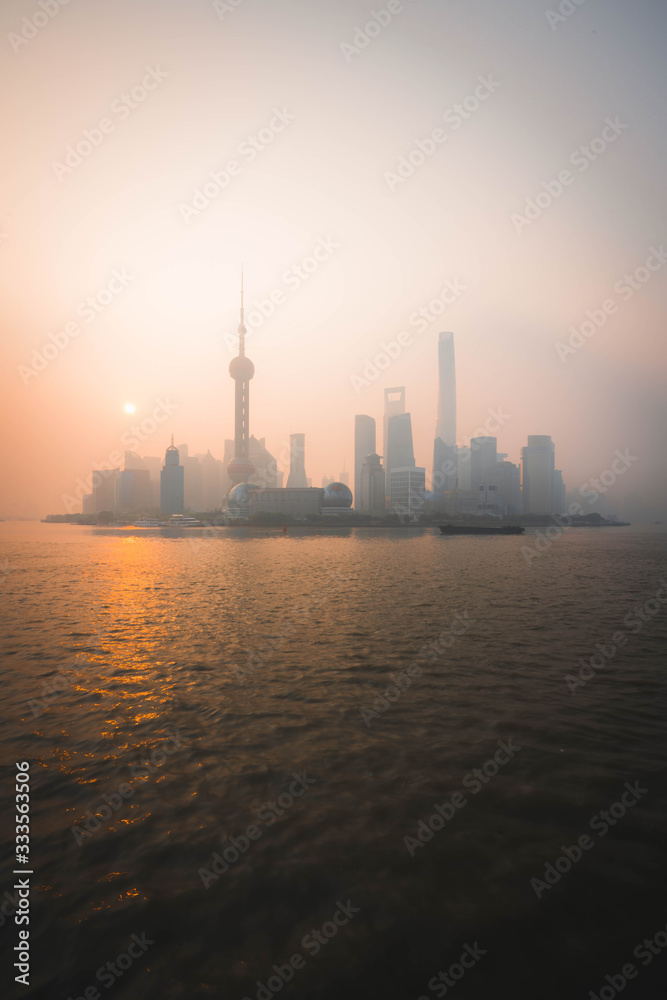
(496, 164)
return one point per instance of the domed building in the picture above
(337, 499)
(238, 499)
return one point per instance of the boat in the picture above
(148, 522)
(482, 529)
(182, 521)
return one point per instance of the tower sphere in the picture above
(241, 368)
(240, 469)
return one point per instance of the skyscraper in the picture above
(394, 404)
(407, 488)
(104, 489)
(507, 478)
(364, 445)
(241, 369)
(193, 477)
(538, 468)
(212, 476)
(444, 448)
(297, 468)
(483, 456)
(133, 491)
(172, 483)
(371, 492)
(266, 468)
(558, 493)
(400, 452)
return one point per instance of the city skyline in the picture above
(472, 461)
(466, 479)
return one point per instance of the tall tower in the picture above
(241, 369)
(297, 467)
(444, 449)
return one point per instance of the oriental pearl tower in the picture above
(241, 369)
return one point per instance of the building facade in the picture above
(297, 465)
(172, 483)
(445, 471)
(104, 489)
(289, 502)
(371, 495)
(394, 405)
(133, 491)
(400, 451)
(407, 491)
(483, 456)
(506, 477)
(537, 479)
(364, 445)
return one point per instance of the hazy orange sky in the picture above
(335, 111)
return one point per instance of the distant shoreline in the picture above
(329, 526)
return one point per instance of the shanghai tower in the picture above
(241, 369)
(444, 450)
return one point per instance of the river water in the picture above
(273, 720)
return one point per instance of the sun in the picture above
(129, 408)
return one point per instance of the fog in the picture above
(493, 169)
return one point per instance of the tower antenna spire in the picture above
(242, 327)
